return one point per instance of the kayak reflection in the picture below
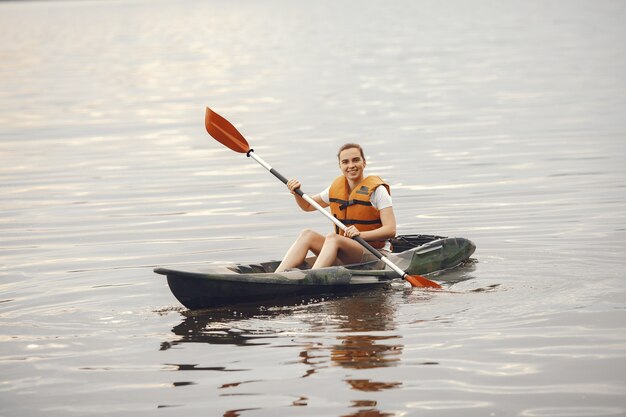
(226, 325)
(369, 311)
(351, 332)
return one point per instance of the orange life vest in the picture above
(356, 208)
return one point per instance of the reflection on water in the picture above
(371, 386)
(350, 324)
(369, 412)
(365, 351)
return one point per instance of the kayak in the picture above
(220, 285)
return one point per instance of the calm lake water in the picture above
(502, 122)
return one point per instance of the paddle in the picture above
(225, 133)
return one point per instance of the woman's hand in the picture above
(352, 231)
(293, 185)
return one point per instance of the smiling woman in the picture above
(359, 202)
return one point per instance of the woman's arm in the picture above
(384, 232)
(302, 203)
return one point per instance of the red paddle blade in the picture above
(224, 132)
(420, 281)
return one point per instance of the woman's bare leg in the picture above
(340, 248)
(308, 240)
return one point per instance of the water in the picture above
(501, 122)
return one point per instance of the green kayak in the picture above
(230, 284)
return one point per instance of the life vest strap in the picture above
(350, 221)
(343, 204)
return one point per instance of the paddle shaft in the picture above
(330, 217)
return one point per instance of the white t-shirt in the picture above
(380, 198)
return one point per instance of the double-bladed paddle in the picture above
(225, 133)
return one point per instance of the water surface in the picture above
(501, 122)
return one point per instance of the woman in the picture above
(362, 203)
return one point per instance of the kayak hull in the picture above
(204, 290)
(231, 284)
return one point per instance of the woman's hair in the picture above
(349, 146)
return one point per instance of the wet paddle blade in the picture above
(224, 132)
(420, 281)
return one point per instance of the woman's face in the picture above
(351, 163)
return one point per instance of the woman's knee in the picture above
(332, 239)
(310, 237)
